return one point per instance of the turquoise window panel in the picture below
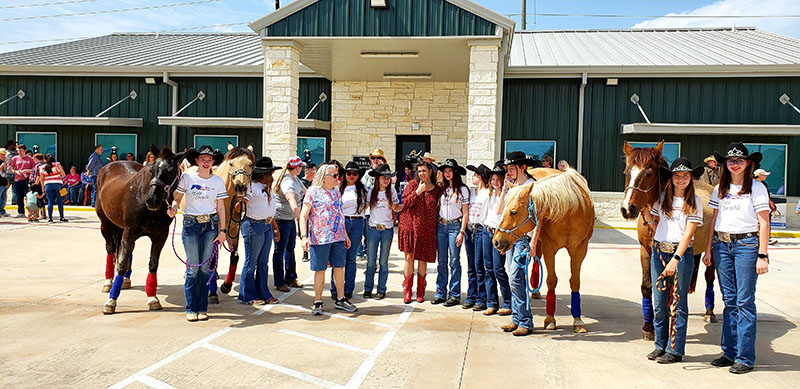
(216, 141)
(46, 141)
(315, 145)
(774, 161)
(534, 148)
(125, 143)
(671, 152)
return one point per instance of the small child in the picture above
(32, 200)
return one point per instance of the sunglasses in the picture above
(736, 161)
(334, 175)
(352, 173)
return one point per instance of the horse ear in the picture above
(250, 147)
(230, 146)
(627, 148)
(154, 149)
(659, 147)
(166, 153)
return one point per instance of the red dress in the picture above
(418, 220)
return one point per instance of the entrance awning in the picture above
(71, 121)
(711, 129)
(235, 122)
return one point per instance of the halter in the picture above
(233, 201)
(652, 185)
(240, 172)
(522, 258)
(163, 185)
(532, 216)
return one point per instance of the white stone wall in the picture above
(483, 103)
(281, 90)
(368, 115)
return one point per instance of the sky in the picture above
(24, 26)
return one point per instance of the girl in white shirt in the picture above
(496, 275)
(476, 273)
(354, 205)
(674, 218)
(453, 213)
(382, 203)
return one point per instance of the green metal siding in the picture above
(401, 18)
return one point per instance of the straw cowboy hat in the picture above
(428, 155)
(760, 172)
(378, 153)
(709, 159)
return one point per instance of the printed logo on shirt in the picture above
(200, 192)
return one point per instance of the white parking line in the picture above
(325, 341)
(154, 383)
(338, 316)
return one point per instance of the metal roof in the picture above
(653, 50)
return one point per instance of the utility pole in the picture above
(523, 22)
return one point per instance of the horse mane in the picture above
(237, 152)
(643, 156)
(165, 153)
(557, 195)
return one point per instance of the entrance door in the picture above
(408, 143)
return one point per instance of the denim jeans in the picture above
(3, 199)
(93, 179)
(198, 241)
(384, 238)
(476, 272)
(736, 270)
(520, 310)
(355, 230)
(362, 240)
(661, 300)
(53, 196)
(495, 265)
(284, 268)
(258, 237)
(449, 257)
(20, 189)
(74, 192)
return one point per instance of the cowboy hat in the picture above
(682, 164)
(428, 155)
(382, 170)
(378, 153)
(192, 155)
(499, 168)
(354, 167)
(709, 159)
(264, 165)
(481, 170)
(453, 164)
(519, 158)
(737, 150)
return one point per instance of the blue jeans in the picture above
(258, 237)
(53, 196)
(74, 192)
(661, 301)
(384, 238)
(93, 179)
(284, 268)
(3, 199)
(736, 270)
(495, 265)
(449, 256)
(362, 247)
(520, 310)
(355, 229)
(20, 189)
(476, 273)
(321, 256)
(198, 241)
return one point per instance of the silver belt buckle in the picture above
(268, 220)
(724, 237)
(666, 247)
(380, 227)
(203, 218)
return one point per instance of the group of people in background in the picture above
(37, 181)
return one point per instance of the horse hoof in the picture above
(153, 304)
(126, 283)
(648, 335)
(579, 327)
(225, 288)
(110, 307)
(710, 318)
(550, 324)
(107, 286)
(213, 300)
(536, 296)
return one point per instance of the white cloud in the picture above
(783, 26)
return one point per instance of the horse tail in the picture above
(557, 195)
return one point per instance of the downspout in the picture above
(581, 98)
(174, 132)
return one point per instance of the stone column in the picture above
(281, 89)
(483, 102)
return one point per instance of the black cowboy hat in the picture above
(453, 164)
(519, 158)
(382, 170)
(737, 150)
(192, 155)
(354, 167)
(264, 165)
(499, 168)
(682, 164)
(481, 170)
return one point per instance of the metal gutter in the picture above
(711, 129)
(581, 102)
(71, 121)
(173, 138)
(575, 71)
(235, 122)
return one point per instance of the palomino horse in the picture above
(565, 211)
(643, 186)
(131, 203)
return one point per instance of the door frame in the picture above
(400, 139)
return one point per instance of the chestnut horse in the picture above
(563, 204)
(132, 202)
(643, 186)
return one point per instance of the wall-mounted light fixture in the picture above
(389, 54)
(406, 75)
(612, 81)
(635, 100)
(784, 99)
(20, 94)
(153, 80)
(379, 3)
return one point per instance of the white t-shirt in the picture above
(350, 201)
(478, 205)
(450, 204)
(381, 213)
(492, 219)
(259, 206)
(738, 214)
(201, 194)
(670, 229)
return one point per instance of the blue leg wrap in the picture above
(647, 310)
(130, 266)
(115, 287)
(710, 296)
(212, 284)
(575, 308)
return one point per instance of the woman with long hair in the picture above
(495, 263)
(673, 219)
(738, 242)
(289, 192)
(476, 272)
(149, 158)
(354, 205)
(383, 203)
(50, 178)
(453, 206)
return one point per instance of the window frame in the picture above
(555, 147)
(17, 133)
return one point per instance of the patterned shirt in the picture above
(326, 219)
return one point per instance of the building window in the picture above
(534, 148)
(774, 161)
(216, 141)
(46, 141)
(315, 146)
(671, 152)
(125, 143)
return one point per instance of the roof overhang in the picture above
(710, 129)
(71, 121)
(142, 71)
(634, 71)
(235, 122)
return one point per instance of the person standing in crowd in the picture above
(289, 192)
(149, 158)
(38, 160)
(309, 170)
(547, 161)
(383, 202)
(738, 242)
(453, 206)
(72, 182)
(495, 263)
(476, 272)
(376, 158)
(11, 149)
(21, 165)
(417, 232)
(563, 165)
(711, 171)
(93, 168)
(674, 218)
(203, 215)
(354, 205)
(3, 181)
(761, 176)
(323, 233)
(259, 229)
(129, 157)
(50, 177)
(86, 185)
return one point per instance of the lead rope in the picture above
(522, 258)
(211, 261)
(661, 286)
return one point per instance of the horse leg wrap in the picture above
(109, 266)
(535, 275)
(647, 310)
(575, 309)
(231, 273)
(130, 266)
(151, 285)
(550, 307)
(115, 287)
(212, 284)
(710, 296)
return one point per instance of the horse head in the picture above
(517, 218)
(166, 173)
(239, 165)
(642, 178)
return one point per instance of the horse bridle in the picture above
(532, 216)
(652, 185)
(233, 202)
(163, 185)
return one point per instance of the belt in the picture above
(267, 220)
(353, 217)
(473, 226)
(382, 227)
(451, 221)
(490, 229)
(668, 247)
(728, 238)
(201, 218)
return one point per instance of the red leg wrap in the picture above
(151, 285)
(231, 274)
(550, 309)
(109, 266)
(535, 275)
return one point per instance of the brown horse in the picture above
(565, 213)
(643, 186)
(131, 203)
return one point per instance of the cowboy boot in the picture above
(421, 287)
(408, 283)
